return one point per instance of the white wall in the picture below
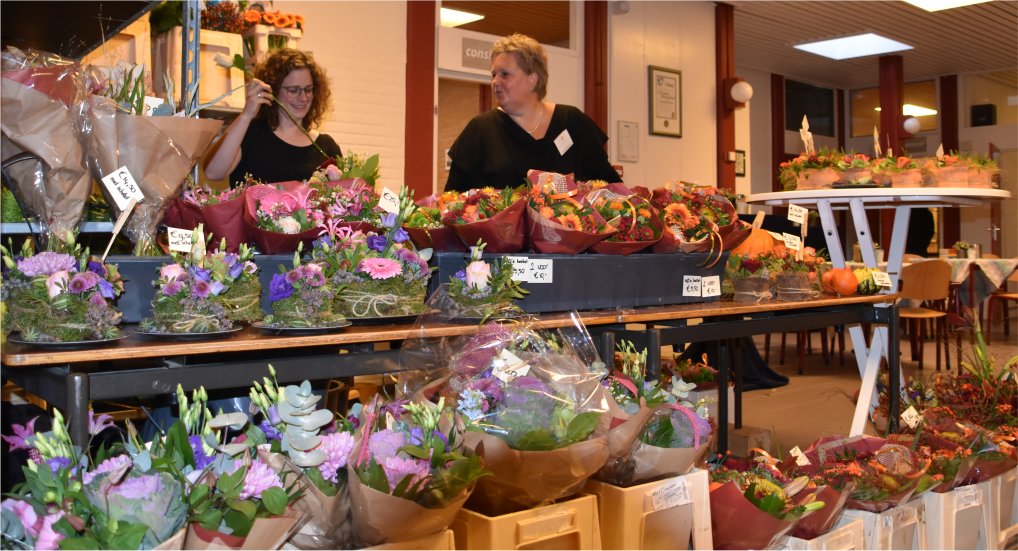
(362, 46)
(755, 125)
(676, 35)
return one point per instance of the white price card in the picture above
(800, 458)
(389, 201)
(967, 496)
(521, 268)
(540, 270)
(150, 104)
(673, 493)
(122, 187)
(792, 241)
(797, 214)
(881, 279)
(180, 240)
(507, 366)
(777, 236)
(710, 286)
(911, 417)
(691, 286)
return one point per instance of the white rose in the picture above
(288, 225)
(478, 273)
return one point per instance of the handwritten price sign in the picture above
(180, 240)
(691, 286)
(122, 187)
(532, 270)
(389, 201)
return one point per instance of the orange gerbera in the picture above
(298, 20)
(615, 205)
(643, 212)
(470, 213)
(571, 221)
(252, 16)
(269, 18)
(284, 20)
(548, 213)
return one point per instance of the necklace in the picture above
(540, 115)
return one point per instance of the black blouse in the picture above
(270, 159)
(494, 151)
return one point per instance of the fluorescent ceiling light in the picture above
(910, 110)
(854, 46)
(455, 18)
(937, 5)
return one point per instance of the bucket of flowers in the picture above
(559, 224)
(635, 220)
(281, 216)
(493, 216)
(426, 228)
(900, 171)
(410, 473)
(54, 297)
(807, 171)
(697, 219)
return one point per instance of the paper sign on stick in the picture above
(876, 143)
(881, 279)
(940, 152)
(180, 240)
(797, 214)
(122, 187)
(792, 241)
(389, 201)
(120, 224)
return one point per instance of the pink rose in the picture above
(57, 282)
(478, 273)
(171, 272)
(332, 172)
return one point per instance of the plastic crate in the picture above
(440, 541)
(1002, 506)
(214, 80)
(569, 524)
(631, 518)
(900, 527)
(847, 533)
(256, 41)
(132, 45)
(960, 519)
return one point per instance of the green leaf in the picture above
(274, 499)
(210, 519)
(582, 425)
(536, 440)
(128, 535)
(374, 477)
(416, 451)
(199, 493)
(244, 507)
(82, 542)
(238, 523)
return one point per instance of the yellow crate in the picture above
(847, 533)
(631, 518)
(899, 527)
(960, 519)
(441, 541)
(214, 80)
(569, 524)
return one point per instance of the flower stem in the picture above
(299, 125)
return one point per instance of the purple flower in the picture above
(460, 275)
(21, 435)
(172, 287)
(385, 443)
(236, 269)
(388, 219)
(279, 288)
(97, 268)
(25, 513)
(271, 432)
(216, 287)
(201, 459)
(97, 424)
(259, 477)
(293, 276)
(111, 465)
(201, 288)
(398, 468)
(139, 487)
(491, 387)
(82, 282)
(46, 263)
(273, 414)
(313, 276)
(323, 242)
(400, 236)
(337, 447)
(250, 267)
(201, 274)
(106, 289)
(48, 538)
(230, 259)
(58, 463)
(377, 242)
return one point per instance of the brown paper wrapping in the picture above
(737, 524)
(503, 233)
(382, 518)
(267, 533)
(525, 479)
(549, 237)
(38, 124)
(158, 151)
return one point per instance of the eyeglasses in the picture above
(295, 91)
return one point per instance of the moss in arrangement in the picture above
(243, 300)
(190, 314)
(305, 308)
(67, 318)
(381, 298)
(9, 209)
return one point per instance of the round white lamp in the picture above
(912, 125)
(742, 92)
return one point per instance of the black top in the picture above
(270, 159)
(494, 151)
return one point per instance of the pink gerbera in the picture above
(380, 268)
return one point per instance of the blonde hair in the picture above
(529, 56)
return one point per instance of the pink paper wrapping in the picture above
(222, 220)
(382, 518)
(270, 242)
(503, 233)
(549, 237)
(158, 151)
(737, 524)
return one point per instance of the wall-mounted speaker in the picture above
(984, 115)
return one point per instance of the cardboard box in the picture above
(214, 80)
(741, 441)
(598, 281)
(639, 517)
(440, 541)
(959, 519)
(711, 396)
(569, 524)
(901, 527)
(847, 533)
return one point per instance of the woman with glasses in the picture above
(526, 131)
(263, 141)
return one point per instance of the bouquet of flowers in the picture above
(534, 410)
(41, 96)
(481, 290)
(59, 297)
(806, 171)
(796, 276)
(750, 277)
(492, 216)
(295, 437)
(221, 213)
(637, 224)
(559, 224)
(282, 216)
(71, 500)
(302, 297)
(656, 432)
(376, 275)
(204, 293)
(697, 219)
(411, 473)
(352, 166)
(425, 224)
(351, 203)
(900, 171)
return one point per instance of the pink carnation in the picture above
(337, 447)
(259, 477)
(110, 465)
(397, 468)
(380, 268)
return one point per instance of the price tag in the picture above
(792, 241)
(911, 417)
(691, 286)
(180, 240)
(540, 270)
(521, 267)
(800, 458)
(777, 236)
(966, 496)
(881, 279)
(150, 104)
(901, 516)
(673, 493)
(389, 201)
(507, 366)
(797, 214)
(710, 286)
(122, 187)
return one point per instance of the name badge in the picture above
(563, 142)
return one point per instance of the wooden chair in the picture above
(928, 283)
(804, 345)
(1004, 297)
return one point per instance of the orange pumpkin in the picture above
(759, 241)
(842, 281)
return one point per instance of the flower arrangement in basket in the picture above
(796, 275)
(807, 171)
(697, 219)
(900, 171)
(482, 290)
(854, 168)
(72, 499)
(59, 297)
(749, 277)
(559, 224)
(637, 224)
(410, 473)
(425, 224)
(658, 432)
(494, 216)
(960, 170)
(375, 275)
(301, 297)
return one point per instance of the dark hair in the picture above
(277, 67)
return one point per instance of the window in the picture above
(919, 101)
(814, 102)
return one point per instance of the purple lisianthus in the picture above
(388, 219)
(216, 287)
(400, 236)
(106, 289)
(58, 463)
(97, 268)
(271, 432)
(46, 263)
(172, 287)
(323, 242)
(201, 459)
(376, 242)
(279, 288)
(231, 259)
(200, 274)
(201, 288)
(236, 269)
(460, 275)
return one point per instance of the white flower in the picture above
(224, 61)
(478, 273)
(681, 388)
(288, 225)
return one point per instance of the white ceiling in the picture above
(971, 39)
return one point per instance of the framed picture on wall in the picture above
(665, 86)
(740, 163)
